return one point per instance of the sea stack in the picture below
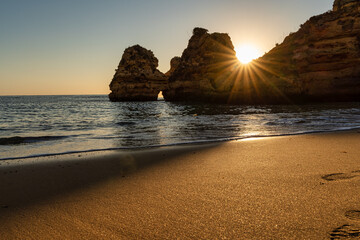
(137, 77)
(202, 72)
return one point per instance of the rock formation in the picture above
(136, 78)
(174, 63)
(201, 72)
(320, 62)
(342, 4)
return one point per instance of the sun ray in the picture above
(249, 82)
(259, 70)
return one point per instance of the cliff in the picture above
(342, 4)
(321, 61)
(137, 77)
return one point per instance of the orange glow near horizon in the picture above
(246, 53)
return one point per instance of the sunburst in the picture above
(246, 53)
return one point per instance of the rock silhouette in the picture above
(320, 62)
(202, 72)
(137, 77)
(174, 63)
(342, 4)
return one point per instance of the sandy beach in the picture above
(291, 187)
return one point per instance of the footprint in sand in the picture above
(341, 176)
(346, 231)
(338, 176)
(353, 215)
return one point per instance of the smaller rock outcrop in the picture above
(174, 63)
(137, 77)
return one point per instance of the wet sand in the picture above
(293, 187)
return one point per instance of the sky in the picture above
(50, 47)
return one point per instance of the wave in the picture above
(21, 140)
(218, 140)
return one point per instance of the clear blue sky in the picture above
(73, 47)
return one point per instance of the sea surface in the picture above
(46, 125)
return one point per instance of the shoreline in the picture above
(290, 187)
(200, 142)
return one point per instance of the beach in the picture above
(288, 187)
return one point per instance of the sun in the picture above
(247, 53)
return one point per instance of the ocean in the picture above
(50, 125)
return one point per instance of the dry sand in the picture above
(293, 187)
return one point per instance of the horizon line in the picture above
(22, 95)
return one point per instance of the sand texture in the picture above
(293, 187)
